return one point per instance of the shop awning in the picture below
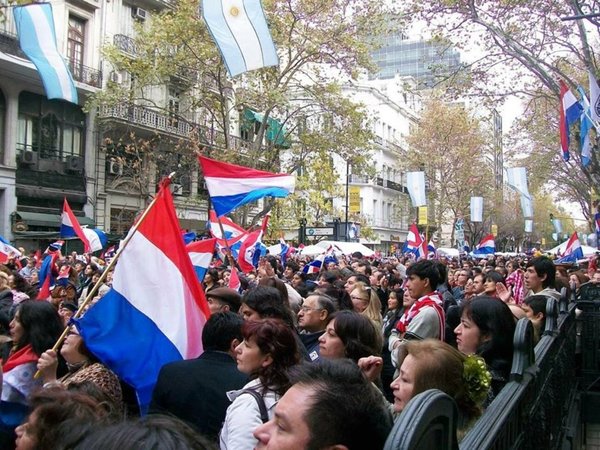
(48, 220)
(275, 133)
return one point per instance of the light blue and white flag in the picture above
(528, 226)
(557, 225)
(516, 177)
(415, 183)
(585, 125)
(476, 209)
(37, 37)
(240, 30)
(526, 206)
(594, 97)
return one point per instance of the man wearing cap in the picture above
(223, 299)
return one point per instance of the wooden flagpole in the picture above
(108, 268)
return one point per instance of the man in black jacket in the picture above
(194, 390)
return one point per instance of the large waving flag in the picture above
(231, 229)
(201, 254)
(7, 251)
(573, 250)
(486, 246)
(240, 30)
(570, 111)
(37, 37)
(231, 186)
(252, 248)
(156, 309)
(92, 238)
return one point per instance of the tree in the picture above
(450, 146)
(544, 162)
(525, 39)
(296, 108)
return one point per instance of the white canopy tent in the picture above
(346, 248)
(587, 250)
(448, 251)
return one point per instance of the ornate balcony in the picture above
(148, 118)
(125, 43)
(85, 74)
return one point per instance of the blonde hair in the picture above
(373, 311)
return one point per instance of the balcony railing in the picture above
(148, 118)
(125, 44)
(85, 74)
(378, 181)
(383, 223)
(9, 43)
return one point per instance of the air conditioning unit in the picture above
(177, 189)
(139, 13)
(115, 168)
(116, 77)
(28, 158)
(75, 164)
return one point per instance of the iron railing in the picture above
(125, 44)
(85, 74)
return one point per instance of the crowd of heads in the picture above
(315, 342)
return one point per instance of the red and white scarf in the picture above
(433, 300)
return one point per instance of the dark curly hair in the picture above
(275, 338)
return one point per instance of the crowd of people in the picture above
(291, 360)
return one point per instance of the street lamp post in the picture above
(347, 197)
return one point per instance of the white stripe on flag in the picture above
(243, 33)
(476, 209)
(234, 186)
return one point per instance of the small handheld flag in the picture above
(573, 250)
(486, 246)
(92, 238)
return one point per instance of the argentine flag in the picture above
(240, 30)
(37, 37)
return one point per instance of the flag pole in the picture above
(104, 274)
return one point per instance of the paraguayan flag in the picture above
(37, 36)
(240, 30)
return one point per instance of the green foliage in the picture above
(318, 43)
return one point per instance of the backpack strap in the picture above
(262, 407)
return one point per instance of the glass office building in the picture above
(426, 61)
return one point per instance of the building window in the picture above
(121, 220)
(75, 46)
(53, 129)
